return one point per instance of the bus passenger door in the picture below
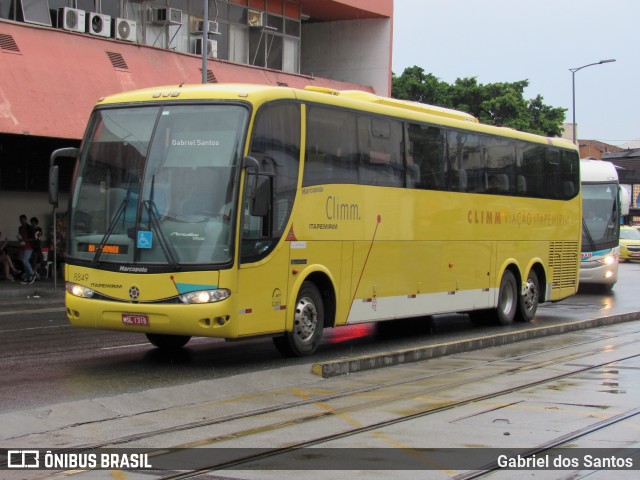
(271, 172)
(264, 259)
(262, 291)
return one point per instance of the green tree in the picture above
(502, 104)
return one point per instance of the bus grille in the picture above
(564, 265)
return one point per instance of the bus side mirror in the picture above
(260, 188)
(250, 162)
(70, 152)
(53, 185)
(261, 196)
(625, 200)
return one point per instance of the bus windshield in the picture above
(600, 212)
(157, 185)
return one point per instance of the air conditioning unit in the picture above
(255, 18)
(71, 19)
(212, 48)
(123, 29)
(214, 27)
(165, 16)
(99, 24)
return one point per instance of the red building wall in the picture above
(52, 78)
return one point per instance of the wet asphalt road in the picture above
(45, 361)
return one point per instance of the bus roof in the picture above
(394, 102)
(597, 171)
(258, 94)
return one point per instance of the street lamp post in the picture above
(573, 89)
(205, 37)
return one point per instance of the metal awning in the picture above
(50, 79)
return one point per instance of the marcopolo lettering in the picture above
(127, 269)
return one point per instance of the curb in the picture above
(370, 362)
(25, 291)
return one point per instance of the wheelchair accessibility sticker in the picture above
(145, 239)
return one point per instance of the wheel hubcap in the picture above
(508, 298)
(305, 319)
(530, 295)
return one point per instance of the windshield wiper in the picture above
(166, 247)
(587, 234)
(112, 225)
(152, 212)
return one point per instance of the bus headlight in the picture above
(606, 260)
(78, 290)
(205, 296)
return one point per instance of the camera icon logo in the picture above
(23, 459)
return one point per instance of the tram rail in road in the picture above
(535, 394)
(345, 366)
(496, 397)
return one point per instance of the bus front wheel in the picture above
(308, 322)
(507, 299)
(167, 342)
(528, 299)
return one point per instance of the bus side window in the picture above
(473, 163)
(570, 168)
(522, 185)
(426, 153)
(331, 154)
(275, 145)
(498, 183)
(380, 148)
(500, 160)
(466, 162)
(531, 167)
(553, 175)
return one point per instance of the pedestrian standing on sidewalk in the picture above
(10, 271)
(25, 237)
(37, 258)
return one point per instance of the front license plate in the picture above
(135, 319)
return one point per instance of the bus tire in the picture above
(505, 312)
(529, 298)
(308, 322)
(167, 342)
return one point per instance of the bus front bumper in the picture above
(600, 274)
(202, 320)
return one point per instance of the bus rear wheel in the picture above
(308, 322)
(167, 342)
(505, 312)
(528, 299)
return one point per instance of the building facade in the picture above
(590, 148)
(627, 163)
(58, 57)
(596, 149)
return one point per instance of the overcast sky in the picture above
(537, 40)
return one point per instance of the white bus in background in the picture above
(604, 201)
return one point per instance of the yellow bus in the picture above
(235, 211)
